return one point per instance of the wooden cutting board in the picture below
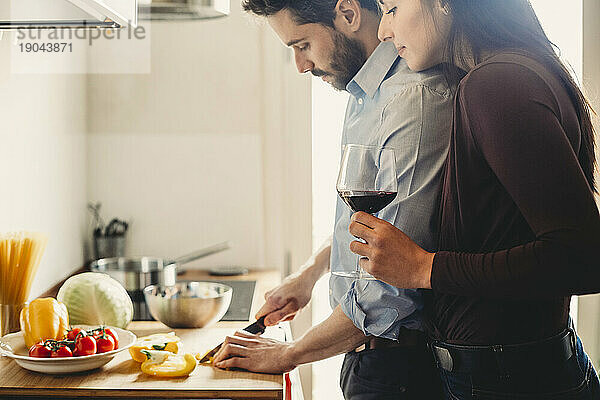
(122, 376)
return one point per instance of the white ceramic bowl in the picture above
(13, 346)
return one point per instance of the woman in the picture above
(519, 228)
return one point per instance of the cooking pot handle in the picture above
(207, 251)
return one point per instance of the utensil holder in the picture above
(109, 246)
(9, 318)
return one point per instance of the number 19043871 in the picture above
(49, 47)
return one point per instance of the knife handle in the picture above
(258, 327)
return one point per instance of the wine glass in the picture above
(366, 182)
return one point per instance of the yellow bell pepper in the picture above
(160, 341)
(43, 319)
(200, 356)
(167, 364)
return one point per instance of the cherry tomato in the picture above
(40, 351)
(73, 333)
(105, 343)
(85, 346)
(114, 335)
(62, 351)
(98, 332)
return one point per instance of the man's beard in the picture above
(347, 59)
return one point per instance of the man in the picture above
(379, 327)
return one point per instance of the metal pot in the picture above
(135, 273)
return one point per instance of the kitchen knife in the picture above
(256, 328)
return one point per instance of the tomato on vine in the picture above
(114, 335)
(105, 343)
(73, 333)
(62, 351)
(85, 346)
(40, 350)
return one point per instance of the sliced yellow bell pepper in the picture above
(160, 341)
(43, 319)
(200, 356)
(167, 364)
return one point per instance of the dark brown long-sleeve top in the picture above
(520, 231)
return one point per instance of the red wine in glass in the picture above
(367, 182)
(369, 201)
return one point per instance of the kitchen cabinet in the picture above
(85, 14)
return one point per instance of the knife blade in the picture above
(256, 328)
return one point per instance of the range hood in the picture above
(178, 10)
(38, 14)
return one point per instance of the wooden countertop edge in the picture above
(135, 393)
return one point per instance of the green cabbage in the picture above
(93, 298)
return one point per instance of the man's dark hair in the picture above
(303, 11)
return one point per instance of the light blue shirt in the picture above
(412, 113)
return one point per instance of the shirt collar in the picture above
(374, 71)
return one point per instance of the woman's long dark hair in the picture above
(481, 27)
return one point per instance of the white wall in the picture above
(42, 163)
(564, 27)
(327, 122)
(181, 191)
(179, 151)
(328, 108)
(206, 146)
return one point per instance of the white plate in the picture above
(13, 346)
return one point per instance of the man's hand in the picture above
(289, 298)
(336, 335)
(255, 353)
(389, 254)
(286, 300)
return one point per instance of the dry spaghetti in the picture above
(20, 255)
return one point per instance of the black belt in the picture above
(504, 359)
(406, 338)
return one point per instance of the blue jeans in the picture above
(572, 379)
(401, 373)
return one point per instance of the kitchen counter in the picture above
(121, 378)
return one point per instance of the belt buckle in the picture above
(361, 348)
(443, 358)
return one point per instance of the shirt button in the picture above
(360, 101)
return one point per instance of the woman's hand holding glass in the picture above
(389, 254)
(367, 182)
